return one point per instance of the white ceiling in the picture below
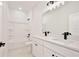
(25, 5)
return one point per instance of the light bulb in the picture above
(62, 3)
(54, 6)
(20, 8)
(50, 7)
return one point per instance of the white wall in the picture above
(5, 17)
(18, 16)
(1, 50)
(3, 26)
(36, 23)
(73, 25)
(0, 23)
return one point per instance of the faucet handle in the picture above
(70, 34)
(67, 33)
(47, 32)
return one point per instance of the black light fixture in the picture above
(54, 4)
(50, 2)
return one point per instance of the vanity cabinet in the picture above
(50, 53)
(43, 48)
(37, 50)
(62, 50)
(37, 47)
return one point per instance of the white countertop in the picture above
(70, 44)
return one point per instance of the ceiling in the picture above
(25, 5)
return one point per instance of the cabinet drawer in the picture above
(37, 50)
(62, 50)
(50, 53)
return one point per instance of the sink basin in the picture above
(48, 38)
(59, 40)
(70, 43)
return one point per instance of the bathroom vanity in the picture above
(57, 21)
(43, 47)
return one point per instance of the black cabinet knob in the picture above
(36, 44)
(53, 55)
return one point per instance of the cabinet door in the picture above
(50, 53)
(37, 50)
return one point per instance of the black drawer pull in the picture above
(36, 44)
(53, 55)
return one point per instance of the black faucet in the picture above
(66, 34)
(46, 32)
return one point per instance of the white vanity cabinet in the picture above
(62, 51)
(43, 48)
(50, 53)
(55, 51)
(37, 48)
(40, 49)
